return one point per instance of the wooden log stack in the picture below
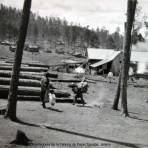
(22, 82)
(29, 81)
(27, 75)
(30, 91)
(25, 68)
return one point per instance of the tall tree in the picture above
(122, 83)
(110, 43)
(12, 97)
(117, 39)
(103, 35)
(117, 96)
(131, 6)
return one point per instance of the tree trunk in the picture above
(12, 98)
(126, 59)
(117, 96)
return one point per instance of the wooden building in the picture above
(102, 61)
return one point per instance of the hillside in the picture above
(39, 57)
(53, 33)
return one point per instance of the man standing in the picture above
(44, 89)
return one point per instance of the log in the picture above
(5, 64)
(41, 65)
(37, 76)
(61, 94)
(31, 78)
(37, 98)
(28, 98)
(27, 75)
(26, 63)
(37, 65)
(22, 82)
(65, 80)
(30, 91)
(52, 74)
(29, 69)
(30, 75)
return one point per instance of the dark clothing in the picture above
(44, 88)
(44, 83)
(78, 94)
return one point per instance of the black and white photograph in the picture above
(73, 74)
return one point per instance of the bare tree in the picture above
(123, 76)
(12, 97)
(117, 95)
(131, 6)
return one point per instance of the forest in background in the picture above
(53, 33)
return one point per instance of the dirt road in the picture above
(94, 125)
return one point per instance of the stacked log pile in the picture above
(29, 81)
(25, 68)
(33, 92)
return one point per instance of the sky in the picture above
(93, 13)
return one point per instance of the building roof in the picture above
(100, 63)
(105, 55)
(102, 54)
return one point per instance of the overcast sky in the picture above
(95, 13)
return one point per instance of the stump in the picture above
(21, 139)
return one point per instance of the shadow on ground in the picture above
(137, 118)
(54, 109)
(131, 145)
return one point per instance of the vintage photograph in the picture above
(73, 74)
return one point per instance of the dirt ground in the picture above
(42, 57)
(94, 125)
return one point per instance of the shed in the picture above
(102, 61)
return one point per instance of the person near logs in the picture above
(78, 90)
(45, 89)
